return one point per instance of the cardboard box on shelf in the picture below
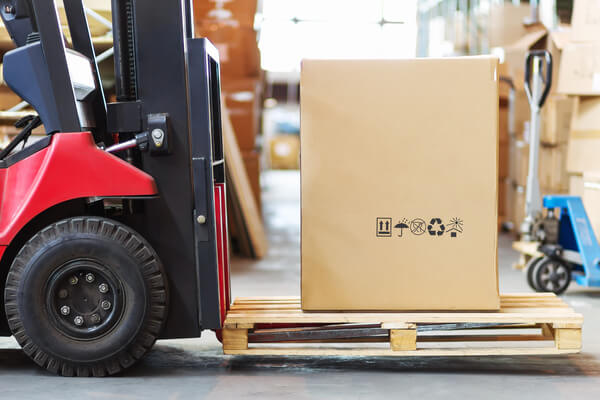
(405, 192)
(557, 40)
(522, 114)
(556, 115)
(580, 69)
(237, 13)
(552, 165)
(252, 164)
(244, 102)
(586, 20)
(591, 199)
(238, 49)
(584, 137)
(503, 131)
(506, 23)
(576, 185)
(514, 54)
(8, 98)
(553, 168)
(284, 151)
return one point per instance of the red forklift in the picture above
(113, 226)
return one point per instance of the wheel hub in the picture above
(84, 299)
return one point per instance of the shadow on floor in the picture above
(166, 360)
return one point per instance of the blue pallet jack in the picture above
(566, 246)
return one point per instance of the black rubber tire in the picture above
(529, 268)
(539, 270)
(128, 257)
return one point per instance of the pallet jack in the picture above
(113, 226)
(556, 234)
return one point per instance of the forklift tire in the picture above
(552, 275)
(529, 268)
(86, 296)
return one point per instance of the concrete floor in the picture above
(185, 369)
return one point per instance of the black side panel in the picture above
(168, 222)
(204, 152)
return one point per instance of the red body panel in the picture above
(222, 249)
(71, 167)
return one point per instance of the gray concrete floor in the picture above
(194, 369)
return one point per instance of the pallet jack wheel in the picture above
(551, 275)
(86, 296)
(529, 268)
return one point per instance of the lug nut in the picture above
(78, 320)
(65, 310)
(73, 280)
(89, 278)
(103, 288)
(95, 318)
(105, 305)
(62, 294)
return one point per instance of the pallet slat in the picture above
(550, 318)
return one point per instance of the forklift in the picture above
(113, 228)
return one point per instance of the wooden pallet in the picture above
(525, 324)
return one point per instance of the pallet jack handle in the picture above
(537, 87)
(538, 56)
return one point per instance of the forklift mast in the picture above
(167, 86)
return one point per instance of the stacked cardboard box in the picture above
(579, 78)
(555, 124)
(229, 25)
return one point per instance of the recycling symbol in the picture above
(436, 227)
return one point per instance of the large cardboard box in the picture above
(580, 69)
(552, 165)
(557, 41)
(584, 139)
(586, 20)
(506, 23)
(284, 151)
(399, 209)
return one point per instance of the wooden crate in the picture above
(538, 323)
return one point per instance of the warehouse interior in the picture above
(279, 60)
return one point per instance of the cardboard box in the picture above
(591, 199)
(576, 185)
(237, 13)
(243, 98)
(521, 114)
(238, 49)
(586, 20)
(556, 115)
(506, 23)
(252, 164)
(503, 160)
(553, 168)
(514, 54)
(580, 69)
(557, 40)
(380, 177)
(584, 138)
(284, 151)
(503, 131)
(519, 161)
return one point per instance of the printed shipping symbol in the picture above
(436, 227)
(384, 227)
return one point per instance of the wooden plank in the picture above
(527, 248)
(403, 339)
(380, 352)
(235, 339)
(251, 223)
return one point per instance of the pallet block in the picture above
(278, 326)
